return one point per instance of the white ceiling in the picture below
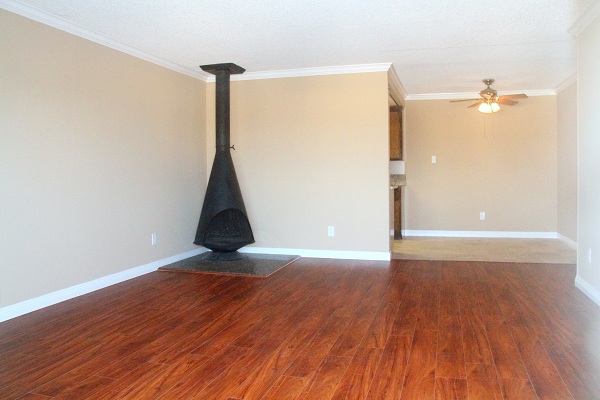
(436, 46)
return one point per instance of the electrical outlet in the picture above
(589, 256)
(153, 239)
(433, 159)
(330, 231)
(482, 216)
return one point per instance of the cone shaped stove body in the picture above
(223, 225)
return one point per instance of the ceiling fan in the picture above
(490, 101)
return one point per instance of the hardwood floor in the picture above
(317, 329)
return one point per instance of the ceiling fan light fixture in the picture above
(488, 108)
(489, 101)
(485, 108)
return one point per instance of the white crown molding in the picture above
(317, 71)
(475, 95)
(567, 82)
(58, 296)
(443, 96)
(585, 19)
(67, 26)
(396, 86)
(337, 254)
(531, 93)
(483, 234)
(395, 83)
(587, 289)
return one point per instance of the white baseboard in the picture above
(587, 289)
(37, 303)
(572, 244)
(27, 306)
(483, 234)
(339, 254)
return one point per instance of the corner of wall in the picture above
(587, 289)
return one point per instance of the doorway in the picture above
(397, 176)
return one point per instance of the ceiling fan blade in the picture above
(508, 102)
(514, 96)
(475, 104)
(456, 101)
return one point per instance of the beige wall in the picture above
(588, 232)
(99, 150)
(504, 164)
(312, 152)
(567, 162)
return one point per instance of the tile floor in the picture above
(484, 249)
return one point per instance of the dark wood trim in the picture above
(395, 122)
(398, 213)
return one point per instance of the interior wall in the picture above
(99, 150)
(588, 233)
(567, 162)
(503, 164)
(312, 152)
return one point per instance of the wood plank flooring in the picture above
(318, 330)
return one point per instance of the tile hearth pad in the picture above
(234, 263)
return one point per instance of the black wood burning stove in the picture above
(223, 225)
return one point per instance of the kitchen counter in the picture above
(397, 180)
